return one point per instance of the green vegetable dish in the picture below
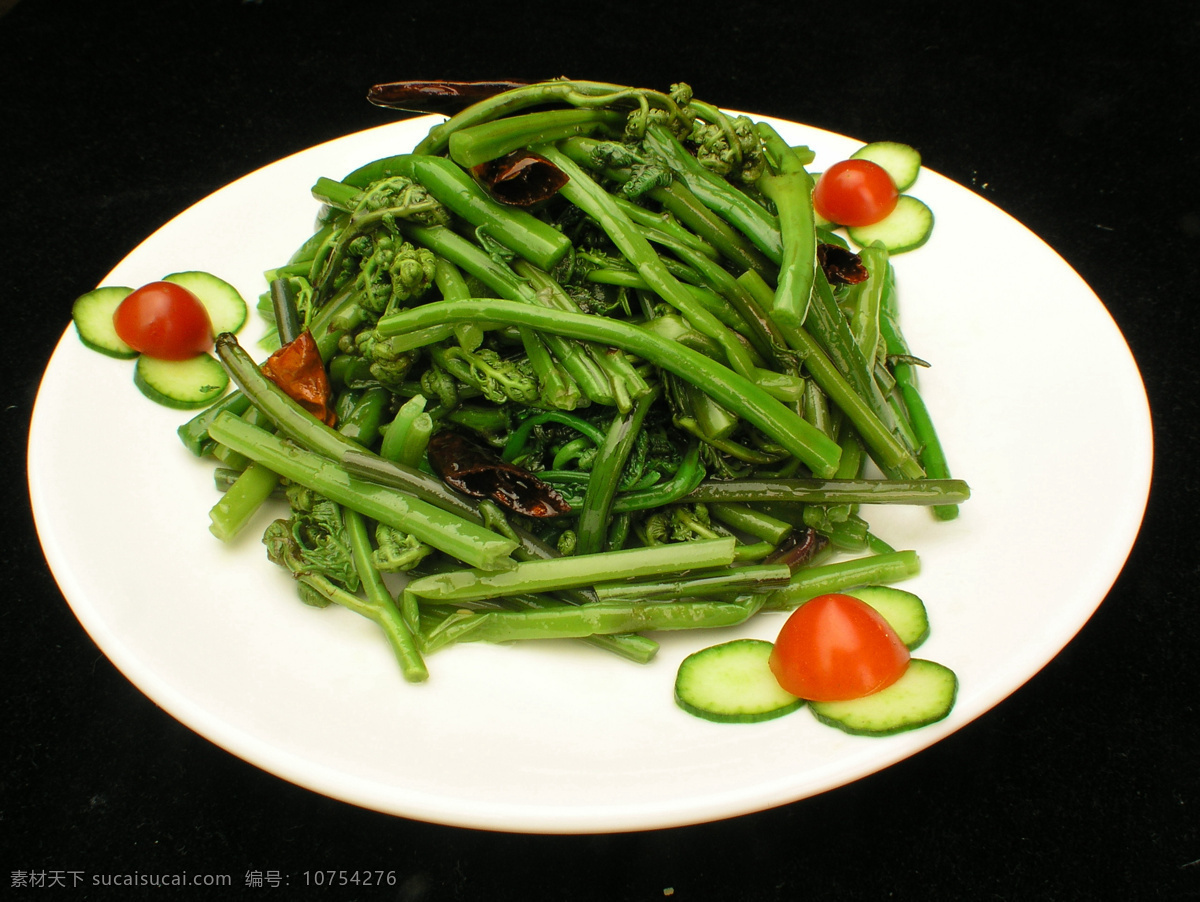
(582, 364)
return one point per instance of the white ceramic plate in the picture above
(1038, 400)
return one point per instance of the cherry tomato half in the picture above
(855, 193)
(164, 320)
(836, 647)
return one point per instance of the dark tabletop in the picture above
(1079, 119)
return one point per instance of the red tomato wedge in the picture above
(835, 648)
(165, 321)
(855, 193)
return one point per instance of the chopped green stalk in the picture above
(878, 545)
(849, 467)
(743, 212)
(450, 282)
(739, 395)
(345, 197)
(677, 199)
(848, 534)
(463, 586)
(485, 419)
(834, 491)
(754, 324)
(557, 388)
(731, 581)
(590, 379)
(455, 536)
(489, 140)
(406, 437)
(809, 582)
(639, 649)
(600, 618)
(590, 197)
(399, 633)
(596, 511)
(518, 230)
(932, 455)
(816, 408)
(395, 475)
(789, 187)
(712, 422)
(747, 554)
(194, 433)
(666, 224)
(828, 325)
(752, 522)
(398, 344)
(583, 94)
(283, 305)
(362, 422)
(242, 500)
(709, 226)
(612, 379)
(865, 302)
(887, 451)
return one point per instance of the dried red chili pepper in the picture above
(297, 368)
(521, 178)
(475, 471)
(798, 548)
(841, 266)
(445, 97)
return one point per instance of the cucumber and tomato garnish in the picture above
(865, 195)
(847, 656)
(168, 326)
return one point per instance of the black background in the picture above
(1079, 119)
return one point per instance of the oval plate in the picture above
(1039, 403)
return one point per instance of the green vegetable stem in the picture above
(655, 391)
(728, 388)
(456, 536)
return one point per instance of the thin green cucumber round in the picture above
(904, 611)
(901, 161)
(226, 307)
(732, 683)
(925, 694)
(906, 228)
(183, 384)
(92, 314)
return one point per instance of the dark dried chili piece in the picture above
(841, 266)
(800, 547)
(475, 471)
(297, 368)
(445, 97)
(521, 178)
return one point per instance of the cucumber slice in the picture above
(732, 683)
(902, 162)
(903, 611)
(225, 305)
(924, 695)
(182, 384)
(93, 316)
(904, 229)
